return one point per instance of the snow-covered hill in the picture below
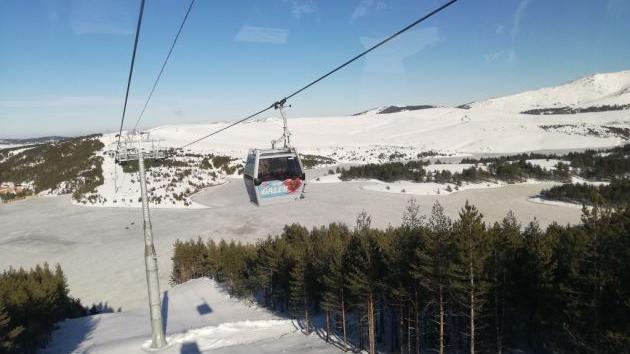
(382, 134)
(199, 317)
(393, 109)
(448, 130)
(607, 89)
(403, 134)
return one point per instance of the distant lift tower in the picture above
(127, 152)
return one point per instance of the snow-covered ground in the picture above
(169, 185)
(431, 188)
(101, 249)
(166, 188)
(594, 90)
(555, 202)
(584, 181)
(363, 138)
(9, 146)
(369, 138)
(199, 317)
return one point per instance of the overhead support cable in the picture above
(168, 56)
(297, 92)
(133, 59)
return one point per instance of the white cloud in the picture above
(102, 17)
(302, 7)
(366, 6)
(63, 102)
(390, 58)
(262, 35)
(518, 16)
(510, 54)
(492, 57)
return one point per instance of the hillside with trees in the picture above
(438, 284)
(499, 170)
(576, 110)
(31, 303)
(66, 166)
(616, 193)
(602, 165)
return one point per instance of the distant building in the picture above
(11, 188)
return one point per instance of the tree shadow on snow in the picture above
(70, 334)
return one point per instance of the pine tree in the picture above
(8, 333)
(335, 288)
(405, 288)
(364, 222)
(412, 220)
(266, 265)
(470, 235)
(299, 299)
(504, 240)
(367, 272)
(532, 277)
(433, 267)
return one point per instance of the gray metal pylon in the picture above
(150, 260)
(286, 134)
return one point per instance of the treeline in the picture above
(185, 161)
(311, 161)
(132, 166)
(590, 164)
(31, 302)
(576, 110)
(602, 165)
(504, 170)
(506, 158)
(498, 169)
(387, 172)
(68, 165)
(615, 194)
(439, 284)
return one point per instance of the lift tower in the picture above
(128, 152)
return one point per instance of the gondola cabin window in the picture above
(278, 169)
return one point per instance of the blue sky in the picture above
(64, 63)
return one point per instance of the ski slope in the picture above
(199, 317)
(490, 126)
(449, 130)
(100, 249)
(365, 138)
(594, 90)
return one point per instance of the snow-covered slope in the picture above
(449, 130)
(591, 91)
(393, 109)
(199, 317)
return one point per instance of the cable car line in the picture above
(181, 26)
(229, 126)
(133, 59)
(295, 93)
(372, 48)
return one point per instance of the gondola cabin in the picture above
(273, 175)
